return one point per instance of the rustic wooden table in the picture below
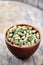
(12, 13)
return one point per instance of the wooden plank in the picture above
(38, 57)
(35, 3)
(28, 61)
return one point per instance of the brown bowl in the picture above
(22, 52)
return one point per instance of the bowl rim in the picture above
(23, 46)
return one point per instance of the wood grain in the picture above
(35, 3)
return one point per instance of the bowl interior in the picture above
(22, 25)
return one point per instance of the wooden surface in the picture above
(35, 3)
(12, 13)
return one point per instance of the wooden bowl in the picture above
(22, 52)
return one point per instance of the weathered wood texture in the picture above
(35, 3)
(12, 13)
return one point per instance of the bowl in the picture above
(22, 52)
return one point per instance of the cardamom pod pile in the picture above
(22, 35)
